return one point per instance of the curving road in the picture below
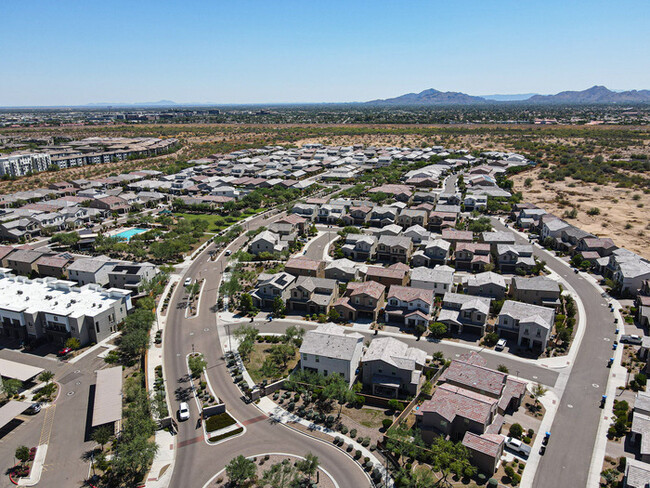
(196, 462)
(568, 457)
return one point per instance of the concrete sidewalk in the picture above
(281, 415)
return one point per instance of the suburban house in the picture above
(360, 247)
(271, 286)
(538, 290)
(20, 229)
(461, 312)
(392, 369)
(54, 266)
(361, 300)
(91, 270)
(513, 257)
(312, 295)
(435, 252)
(417, 234)
(329, 350)
(637, 474)
(497, 237)
(487, 284)
(357, 215)
(267, 241)
(302, 266)
(603, 246)
(130, 276)
(23, 261)
(485, 450)
(439, 221)
(342, 270)
(472, 256)
(382, 216)
(394, 249)
(408, 305)
(111, 204)
(409, 217)
(456, 236)
(395, 274)
(439, 279)
(530, 324)
(628, 269)
(331, 213)
(298, 223)
(640, 431)
(305, 210)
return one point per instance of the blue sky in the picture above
(249, 51)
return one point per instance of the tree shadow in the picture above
(182, 394)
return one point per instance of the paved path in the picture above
(195, 461)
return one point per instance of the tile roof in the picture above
(451, 401)
(489, 444)
(330, 341)
(370, 288)
(475, 376)
(408, 294)
(303, 263)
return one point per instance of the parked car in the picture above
(501, 344)
(183, 411)
(188, 281)
(33, 409)
(517, 446)
(65, 351)
(228, 252)
(631, 339)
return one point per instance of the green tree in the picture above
(246, 332)
(395, 405)
(333, 315)
(282, 353)
(73, 343)
(451, 457)
(294, 335)
(134, 343)
(46, 376)
(338, 389)
(197, 364)
(423, 477)
(438, 329)
(11, 386)
(420, 329)
(280, 475)
(22, 454)
(101, 435)
(503, 368)
(240, 470)
(279, 308)
(516, 431)
(538, 392)
(246, 302)
(308, 466)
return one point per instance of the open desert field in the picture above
(623, 212)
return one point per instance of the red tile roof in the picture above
(370, 288)
(303, 263)
(451, 401)
(408, 293)
(489, 444)
(475, 377)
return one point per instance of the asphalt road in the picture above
(196, 462)
(574, 430)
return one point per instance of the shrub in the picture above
(493, 483)
(526, 440)
(353, 433)
(357, 454)
(386, 423)
(516, 430)
(593, 211)
(344, 429)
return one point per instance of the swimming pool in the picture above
(127, 234)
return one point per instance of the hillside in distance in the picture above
(430, 97)
(594, 95)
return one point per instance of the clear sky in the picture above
(256, 51)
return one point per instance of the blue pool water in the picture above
(127, 234)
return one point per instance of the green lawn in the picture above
(218, 421)
(218, 222)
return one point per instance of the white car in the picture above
(228, 252)
(188, 281)
(501, 344)
(518, 446)
(184, 411)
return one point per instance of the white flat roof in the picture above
(108, 396)
(9, 411)
(19, 371)
(58, 297)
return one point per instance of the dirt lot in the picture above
(623, 216)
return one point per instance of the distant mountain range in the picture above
(593, 95)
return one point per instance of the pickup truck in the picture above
(631, 339)
(517, 446)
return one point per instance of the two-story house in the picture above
(457, 236)
(394, 249)
(538, 290)
(395, 274)
(302, 266)
(329, 350)
(464, 312)
(382, 216)
(361, 300)
(438, 221)
(513, 257)
(357, 215)
(472, 256)
(487, 284)
(439, 279)
(270, 287)
(435, 252)
(392, 369)
(342, 270)
(268, 242)
(360, 247)
(497, 237)
(530, 324)
(312, 295)
(408, 305)
(417, 234)
(409, 217)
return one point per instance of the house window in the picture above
(97, 326)
(317, 359)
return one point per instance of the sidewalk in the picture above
(37, 468)
(282, 416)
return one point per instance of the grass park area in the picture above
(217, 223)
(263, 365)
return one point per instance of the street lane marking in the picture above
(569, 405)
(594, 385)
(48, 422)
(190, 441)
(255, 420)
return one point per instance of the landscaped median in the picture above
(221, 426)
